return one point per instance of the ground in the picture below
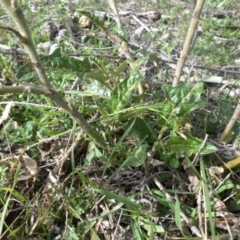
(165, 169)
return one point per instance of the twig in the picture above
(200, 149)
(199, 203)
(124, 45)
(141, 23)
(57, 170)
(224, 136)
(221, 70)
(25, 89)
(188, 41)
(23, 34)
(16, 33)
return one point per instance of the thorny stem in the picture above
(23, 34)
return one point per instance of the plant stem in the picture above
(189, 39)
(23, 34)
(224, 136)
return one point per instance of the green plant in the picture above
(119, 153)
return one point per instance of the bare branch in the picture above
(15, 12)
(226, 133)
(24, 89)
(189, 39)
(16, 33)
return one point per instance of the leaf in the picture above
(71, 64)
(56, 61)
(131, 112)
(100, 75)
(156, 59)
(93, 152)
(137, 231)
(138, 157)
(120, 69)
(28, 68)
(177, 216)
(226, 185)
(234, 206)
(173, 162)
(182, 100)
(30, 164)
(207, 198)
(109, 194)
(122, 93)
(118, 198)
(190, 146)
(157, 228)
(142, 130)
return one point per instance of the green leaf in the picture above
(190, 146)
(122, 93)
(56, 61)
(120, 69)
(28, 68)
(177, 216)
(156, 59)
(93, 151)
(70, 64)
(142, 130)
(138, 157)
(157, 228)
(130, 113)
(173, 162)
(234, 206)
(120, 199)
(181, 101)
(207, 198)
(226, 185)
(100, 75)
(136, 229)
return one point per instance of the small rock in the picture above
(45, 45)
(155, 16)
(49, 30)
(85, 22)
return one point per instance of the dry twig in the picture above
(189, 39)
(23, 34)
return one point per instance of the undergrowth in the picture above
(158, 177)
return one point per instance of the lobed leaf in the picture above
(183, 99)
(190, 145)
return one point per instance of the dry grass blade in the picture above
(6, 112)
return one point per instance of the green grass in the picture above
(155, 180)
